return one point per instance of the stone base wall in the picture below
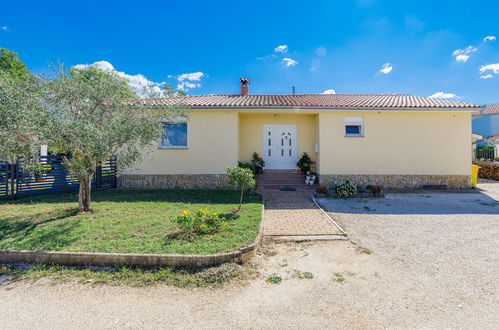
(399, 181)
(173, 181)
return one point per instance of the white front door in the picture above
(280, 146)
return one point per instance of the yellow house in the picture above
(391, 140)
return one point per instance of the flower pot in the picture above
(259, 170)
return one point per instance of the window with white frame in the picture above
(354, 126)
(175, 136)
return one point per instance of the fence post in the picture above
(98, 177)
(11, 180)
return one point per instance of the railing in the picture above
(48, 175)
(485, 153)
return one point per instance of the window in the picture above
(175, 136)
(354, 126)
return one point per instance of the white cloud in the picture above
(462, 58)
(386, 68)
(5, 28)
(442, 95)
(138, 82)
(489, 38)
(462, 55)
(484, 70)
(329, 91)
(281, 49)
(186, 80)
(289, 62)
(194, 76)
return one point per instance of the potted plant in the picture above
(258, 163)
(321, 191)
(304, 164)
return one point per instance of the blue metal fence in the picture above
(49, 175)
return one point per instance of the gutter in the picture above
(298, 108)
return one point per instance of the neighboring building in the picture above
(392, 140)
(486, 121)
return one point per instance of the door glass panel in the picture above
(290, 142)
(270, 153)
(270, 143)
(282, 142)
(282, 152)
(289, 152)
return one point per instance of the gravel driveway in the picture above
(434, 265)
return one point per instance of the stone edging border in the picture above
(102, 259)
(328, 216)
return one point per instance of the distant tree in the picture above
(12, 66)
(20, 108)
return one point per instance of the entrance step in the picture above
(278, 179)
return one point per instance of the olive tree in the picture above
(92, 117)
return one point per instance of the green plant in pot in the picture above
(258, 163)
(304, 163)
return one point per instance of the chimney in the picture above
(244, 85)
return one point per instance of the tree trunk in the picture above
(241, 199)
(84, 194)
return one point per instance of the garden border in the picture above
(103, 259)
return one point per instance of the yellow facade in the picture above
(212, 146)
(408, 143)
(394, 142)
(251, 131)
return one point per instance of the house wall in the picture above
(212, 138)
(251, 132)
(399, 148)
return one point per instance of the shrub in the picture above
(240, 177)
(257, 161)
(346, 189)
(249, 166)
(200, 222)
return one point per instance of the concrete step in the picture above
(281, 181)
(279, 186)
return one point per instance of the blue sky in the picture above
(205, 46)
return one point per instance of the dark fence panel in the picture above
(49, 175)
(4, 179)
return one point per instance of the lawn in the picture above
(127, 221)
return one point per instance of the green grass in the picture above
(207, 277)
(274, 279)
(127, 221)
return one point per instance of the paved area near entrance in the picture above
(293, 213)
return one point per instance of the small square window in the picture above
(354, 126)
(175, 136)
(353, 129)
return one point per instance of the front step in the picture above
(277, 179)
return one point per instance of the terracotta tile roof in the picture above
(306, 101)
(490, 109)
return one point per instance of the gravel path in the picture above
(435, 270)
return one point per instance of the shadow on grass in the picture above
(128, 195)
(23, 228)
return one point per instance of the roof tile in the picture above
(306, 100)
